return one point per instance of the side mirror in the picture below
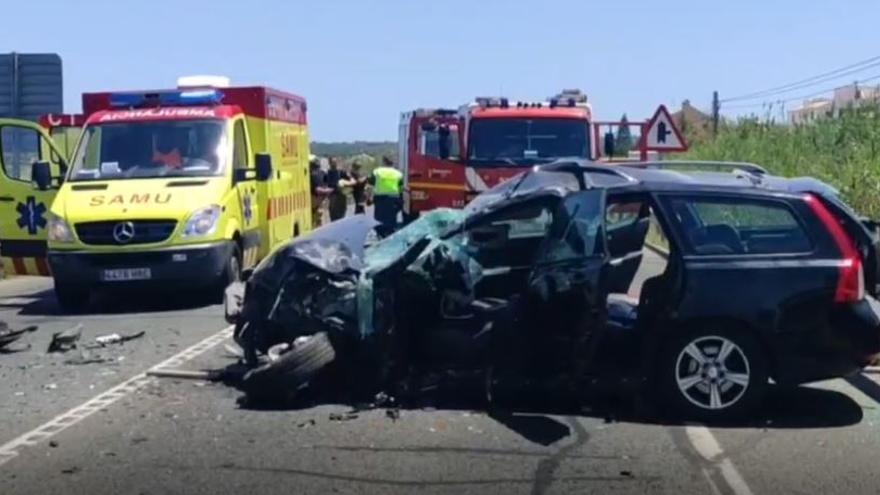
(608, 148)
(41, 175)
(264, 166)
(443, 142)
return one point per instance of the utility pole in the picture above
(716, 108)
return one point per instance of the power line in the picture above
(810, 81)
(796, 98)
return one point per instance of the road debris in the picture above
(71, 470)
(306, 424)
(53, 443)
(65, 340)
(209, 375)
(348, 416)
(115, 338)
(50, 386)
(8, 336)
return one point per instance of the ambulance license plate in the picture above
(125, 274)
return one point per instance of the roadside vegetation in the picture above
(843, 151)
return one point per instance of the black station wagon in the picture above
(700, 282)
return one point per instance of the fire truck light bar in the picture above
(491, 101)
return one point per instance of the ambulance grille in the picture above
(145, 232)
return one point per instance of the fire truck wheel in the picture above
(71, 298)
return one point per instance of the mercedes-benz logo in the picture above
(123, 232)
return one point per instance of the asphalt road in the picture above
(104, 428)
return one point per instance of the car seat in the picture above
(716, 239)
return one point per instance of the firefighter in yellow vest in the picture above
(387, 184)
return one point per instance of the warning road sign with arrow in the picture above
(661, 134)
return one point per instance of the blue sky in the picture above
(359, 63)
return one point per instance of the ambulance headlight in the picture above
(202, 221)
(58, 229)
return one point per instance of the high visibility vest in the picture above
(387, 181)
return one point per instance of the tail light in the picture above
(851, 281)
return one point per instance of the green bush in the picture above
(844, 152)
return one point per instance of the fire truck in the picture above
(449, 156)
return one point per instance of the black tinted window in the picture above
(718, 226)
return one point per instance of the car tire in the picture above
(281, 378)
(697, 382)
(231, 273)
(71, 298)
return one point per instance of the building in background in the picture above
(844, 97)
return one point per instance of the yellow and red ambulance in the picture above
(172, 189)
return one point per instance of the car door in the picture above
(23, 207)
(627, 219)
(250, 193)
(565, 300)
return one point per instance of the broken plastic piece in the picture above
(65, 340)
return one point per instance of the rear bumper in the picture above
(851, 342)
(179, 267)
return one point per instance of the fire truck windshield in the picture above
(525, 142)
(136, 150)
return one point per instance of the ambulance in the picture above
(168, 189)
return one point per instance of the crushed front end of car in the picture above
(328, 291)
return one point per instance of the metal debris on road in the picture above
(115, 338)
(65, 340)
(306, 424)
(348, 416)
(8, 335)
(210, 375)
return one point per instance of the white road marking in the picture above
(707, 446)
(9, 450)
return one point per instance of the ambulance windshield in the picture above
(135, 150)
(504, 142)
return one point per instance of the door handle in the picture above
(7, 199)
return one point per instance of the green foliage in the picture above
(844, 152)
(348, 149)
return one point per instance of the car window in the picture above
(622, 214)
(429, 142)
(719, 226)
(20, 148)
(239, 149)
(575, 232)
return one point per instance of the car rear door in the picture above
(23, 207)
(627, 219)
(751, 259)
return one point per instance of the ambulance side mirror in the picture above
(41, 175)
(608, 147)
(264, 166)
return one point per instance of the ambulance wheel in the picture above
(71, 298)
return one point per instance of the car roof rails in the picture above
(581, 169)
(750, 168)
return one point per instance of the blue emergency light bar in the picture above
(166, 98)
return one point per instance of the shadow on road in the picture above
(535, 418)
(43, 303)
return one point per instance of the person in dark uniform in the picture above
(319, 191)
(337, 180)
(359, 189)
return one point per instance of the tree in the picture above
(624, 142)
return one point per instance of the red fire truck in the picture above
(449, 156)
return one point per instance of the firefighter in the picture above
(387, 184)
(319, 191)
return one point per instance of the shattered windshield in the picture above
(133, 150)
(433, 223)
